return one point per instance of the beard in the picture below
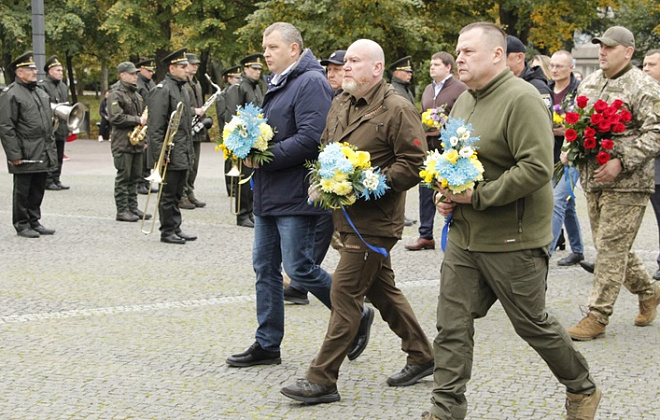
(354, 87)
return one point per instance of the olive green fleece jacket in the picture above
(511, 208)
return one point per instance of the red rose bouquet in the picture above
(589, 132)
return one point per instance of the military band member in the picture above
(402, 74)
(163, 100)
(248, 91)
(125, 107)
(194, 89)
(232, 78)
(26, 130)
(57, 90)
(145, 84)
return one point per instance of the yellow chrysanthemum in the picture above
(444, 183)
(557, 119)
(326, 185)
(266, 131)
(342, 188)
(340, 176)
(427, 176)
(451, 156)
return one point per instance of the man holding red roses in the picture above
(616, 161)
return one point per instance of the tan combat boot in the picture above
(582, 407)
(587, 329)
(648, 308)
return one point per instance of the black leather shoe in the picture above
(570, 259)
(53, 187)
(28, 233)
(588, 266)
(126, 216)
(255, 355)
(362, 337)
(41, 230)
(186, 236)
(311, 393)
(410, 374)
(62, 186)
(656, 276)
(295, 296)
(173, 239)
(139, 213)
(244, 220)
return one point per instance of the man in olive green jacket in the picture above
(498, 241)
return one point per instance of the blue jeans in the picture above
(565, 214)
(287, 240)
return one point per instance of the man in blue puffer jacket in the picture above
(296, 106)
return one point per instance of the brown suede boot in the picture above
(648, 308)
(582, 407)
(587, 329)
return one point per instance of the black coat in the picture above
(162, 102)
(58, 93)
(26, 128)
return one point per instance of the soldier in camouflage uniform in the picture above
(618, 191)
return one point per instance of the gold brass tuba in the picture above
(160, 167)
(138, 133)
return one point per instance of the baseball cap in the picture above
(616, 35)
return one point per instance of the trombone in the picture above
(160, 167)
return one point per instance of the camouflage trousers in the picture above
(615, 220)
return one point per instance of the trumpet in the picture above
(160, 167)
(139, 131)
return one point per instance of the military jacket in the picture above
(58, 93)
(144, 86)
(162, 102)
(124, 107)
(26, 128)
(196, 96)
(248, 91)
(387, 126)
(221, 107)
(401, 88)
(640, 143)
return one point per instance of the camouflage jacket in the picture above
(640, 143)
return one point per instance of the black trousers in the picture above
(28, 195)
(170, 214)
(54, 176)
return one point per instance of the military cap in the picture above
(336, 57)
(403, 64)
(232, 72)
(514, 45)
(127, 67)
(254, 60)
(149, 64)
(192, 58)
(52, 62)
(176, 57)
(25, 60)
(616, 35)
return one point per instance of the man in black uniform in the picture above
(145, 84)
(194, 89)
(402, 74)
(247, 91)
(232, 78)
(163, 100)
(26, 130)
(125, 108)
(57, 91)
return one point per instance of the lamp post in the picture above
(38, 36)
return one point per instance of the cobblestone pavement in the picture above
(102, 322)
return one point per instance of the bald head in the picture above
(363, 67)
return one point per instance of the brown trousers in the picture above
(362, 272)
